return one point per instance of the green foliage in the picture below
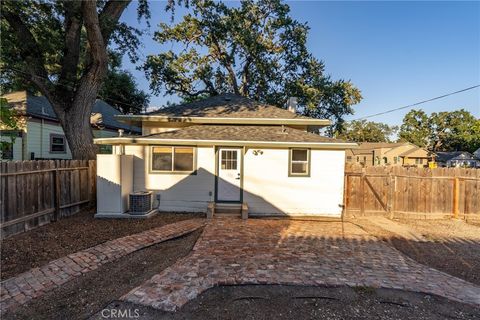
(46, 21)
(256, 50)
(416, 128)
(367, 131)
(9, 120)
(443, 131)
(120, 90)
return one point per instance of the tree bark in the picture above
(73, 100)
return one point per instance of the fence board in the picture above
(421, 192)
(28, 192)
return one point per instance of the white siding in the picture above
(178, 192)
(267, 187)
(269, 190)
(38, 141)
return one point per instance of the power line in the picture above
(418, 103)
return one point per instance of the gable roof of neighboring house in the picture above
(368, 147)
(454, 155)
(40, 107)
(226, 109)
(416, 153)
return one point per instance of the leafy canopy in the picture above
(256, 50)
(443, 131)
(367, 131)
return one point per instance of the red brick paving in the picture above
(232, 251)
(36, 282)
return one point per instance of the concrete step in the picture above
(228, 208)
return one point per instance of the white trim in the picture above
(129, 140)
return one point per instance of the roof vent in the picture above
(292, 104)
(44, 112)
(227, 98)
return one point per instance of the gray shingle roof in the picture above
(454, 155)
(242, 133)
(40, 107)
(227, 105)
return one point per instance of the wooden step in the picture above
(228, 208)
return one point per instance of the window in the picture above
(395, 160)
(6, 150)
(57, 143)
(172, 159)
(385, 160)
(229, 160)
(418, 161)
(349, 158)
(299, 162)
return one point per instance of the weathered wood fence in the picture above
(34, 193)
(400, 192)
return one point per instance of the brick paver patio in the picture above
(36, 282)
(232, 251)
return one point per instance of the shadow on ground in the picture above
(297, 302)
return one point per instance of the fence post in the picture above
(456, 196)
(392, 180)
(362, 192)
(56, 194)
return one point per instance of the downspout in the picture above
(41, 138)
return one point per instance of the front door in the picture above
(229, 174)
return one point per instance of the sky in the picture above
(396, 53)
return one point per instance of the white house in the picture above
(225, 149)
(41, 136)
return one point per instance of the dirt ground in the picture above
(452, 246)
(86, 295)
(296, 302)
(39, 246)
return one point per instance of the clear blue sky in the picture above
(396, 53)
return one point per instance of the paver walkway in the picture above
(232, 251)
(37, 281)
(401, 230)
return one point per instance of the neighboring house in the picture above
(382, 154)
(457, 159)
(476, 153)
(41, 135)
(225, 149)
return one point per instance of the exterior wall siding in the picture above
(38, 140)
(179, 192)
(269, 190)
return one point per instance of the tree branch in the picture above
(109, 16)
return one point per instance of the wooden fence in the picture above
(34, 193)
(412, 192)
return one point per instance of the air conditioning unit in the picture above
(140, 202)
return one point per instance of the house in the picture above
(382, 153)
(476, 153)
(41, 135)
(225, 151)
(458, 159)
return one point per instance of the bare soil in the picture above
(39, 246)
(297, 302)
(86, 295)
(453, 246)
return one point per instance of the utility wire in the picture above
(417, 103)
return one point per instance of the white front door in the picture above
(229, 174)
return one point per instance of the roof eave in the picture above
(148, 141)
(225, 120)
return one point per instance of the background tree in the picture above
(416, 128)
(120, 90)
(443, 131)
(60, 47)
(10, 120)
(367, 131)
(255, 50)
